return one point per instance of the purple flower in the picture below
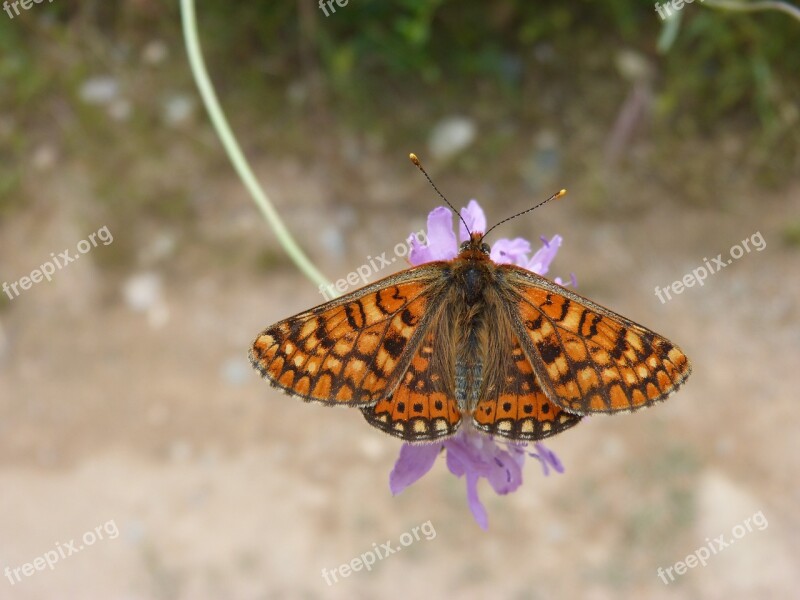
(540, 262)
(471, 453)
(442, 244)
(547, 457)
(476, 220)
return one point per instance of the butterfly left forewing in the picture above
(353, 350)
(587, 358)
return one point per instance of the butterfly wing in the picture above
(518, 409)
(423, 406)
(351, 351)
(587, 358)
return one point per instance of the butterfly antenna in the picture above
(415, 160)
(555, 196)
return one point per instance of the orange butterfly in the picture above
(518, 355)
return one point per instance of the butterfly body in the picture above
(469, 341)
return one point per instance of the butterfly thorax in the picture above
(472, 268)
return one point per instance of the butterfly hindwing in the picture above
(587, 358)
(352, 350)
(422, 407)
(519, 409)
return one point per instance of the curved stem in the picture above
(233, 150)
(789, 9)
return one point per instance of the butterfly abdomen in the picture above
(472, 327)
(469, 368)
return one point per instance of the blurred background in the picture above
(126, 400)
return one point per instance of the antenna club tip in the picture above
(561, 194)
(413, 158)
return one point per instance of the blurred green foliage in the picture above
(397, 65)
(721, 69)
(720, 61)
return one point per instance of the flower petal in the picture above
(478, 510)
(505, 474)
(414, 461)
(510, 251)
(458, 459)
(441, 244)
(540, 262)
(548, 458)
(572, 281)
(517, 450)
(475, 218)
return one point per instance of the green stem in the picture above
(789, 9)
(231, 146)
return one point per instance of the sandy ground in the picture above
(147, 428)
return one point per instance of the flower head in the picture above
(442, 243)
(471, 453)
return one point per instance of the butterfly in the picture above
(509, 351)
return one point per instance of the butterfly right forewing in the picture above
(587, 358)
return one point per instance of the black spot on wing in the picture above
(394, 345)
(550, 352)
